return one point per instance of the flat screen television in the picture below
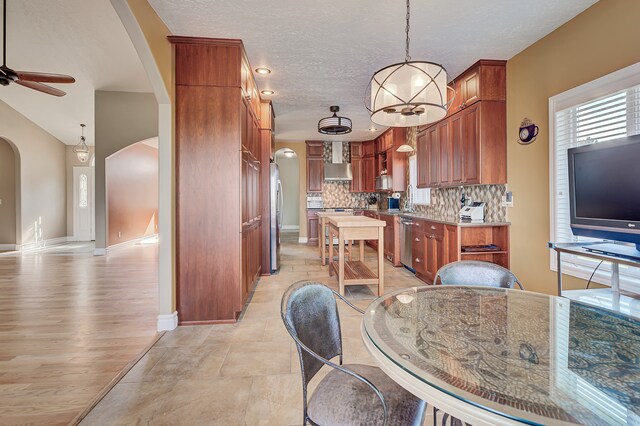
(604, 191)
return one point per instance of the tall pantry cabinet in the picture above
(218, 205)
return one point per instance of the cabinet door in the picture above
(369, 148)
(470, 85)
(443, 153)
(434, 255)
(245, 266)
(417, 251)
(356, 149)
(388, 239)
(245, 188)
(315, 149)
(422, 161)
(315, 174)
(369, 174)
(471, 144)
(433, 155)
(357, 184)
(451, 245)
(312, 229)
(244, 132)
(457, 154)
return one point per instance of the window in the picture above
(420, 195)
(83, 189)
(606, 109)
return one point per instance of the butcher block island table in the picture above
(323, 223)
(356, 272)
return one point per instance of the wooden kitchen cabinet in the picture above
(357, 167)
(369, 174)
(433, 157)
(218, 156)
(312, 227)
(422, 160)
(444, 148)
(391, 250)
(483, 81)
(315, 166)
(436, 244)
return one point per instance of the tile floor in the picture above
(241, 374)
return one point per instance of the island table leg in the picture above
(380, 261)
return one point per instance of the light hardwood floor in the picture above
(69, 323)
(240, 374)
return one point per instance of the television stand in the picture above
(616, 250)
(610, 298)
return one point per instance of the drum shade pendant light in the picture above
(82, 150)
(334, 125)
(410, 93)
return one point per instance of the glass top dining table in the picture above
(498, 356)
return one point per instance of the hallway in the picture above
(238, 374)
(69, 323)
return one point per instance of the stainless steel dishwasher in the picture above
(405, 242)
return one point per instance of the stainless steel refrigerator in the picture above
(275, 214)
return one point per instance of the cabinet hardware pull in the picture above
(433, 227)
(417, 260)
(417, 239)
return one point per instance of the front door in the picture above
(82, 203)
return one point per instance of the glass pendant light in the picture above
(82, 150)
(410, 93)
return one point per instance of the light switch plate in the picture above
(507, 200)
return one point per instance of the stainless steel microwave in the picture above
(383, 182)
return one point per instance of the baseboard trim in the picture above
(8, 247)
(100, 252)
(303, 240)
(168, 322)
(41, 244)
(290, 227)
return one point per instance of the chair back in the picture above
(310, 314)
(476, 273)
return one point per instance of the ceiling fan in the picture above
(32, 80)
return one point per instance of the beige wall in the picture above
(122, 118)
(71, 162)
(301, 152)
(42, 195)
(290, 178)
(603, 39)
(7, 193)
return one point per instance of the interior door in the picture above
(82, 203)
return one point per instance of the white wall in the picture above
(290, 177)
(42, 196)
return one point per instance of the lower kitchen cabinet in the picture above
(312, 227)
(436, 244)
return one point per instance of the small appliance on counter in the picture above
(473, 212)
(315, 202)
(394, 202)
(383, 182)
(372, 201)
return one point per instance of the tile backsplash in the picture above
(444, 201)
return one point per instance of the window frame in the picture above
(609, 84)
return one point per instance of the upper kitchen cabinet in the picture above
(469, 146)
(483, 81)
(315, 166)
(357, 166)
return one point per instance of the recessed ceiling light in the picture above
(267, 92)
(373, 129)
(263, 70)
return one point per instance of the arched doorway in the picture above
(289, 165)
(9, 196)
(131, 181)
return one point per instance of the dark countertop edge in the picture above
(423, 217)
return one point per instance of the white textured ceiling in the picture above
(82, 38)
(323, 53)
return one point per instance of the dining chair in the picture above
(350, 394)
(476, 273)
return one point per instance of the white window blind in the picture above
(609, 117)
(420, 195)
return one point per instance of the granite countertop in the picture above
(446, 219)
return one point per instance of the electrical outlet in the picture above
(507, 200)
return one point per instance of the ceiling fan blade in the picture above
(43, 77)
(41, 87)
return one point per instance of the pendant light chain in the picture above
(407, 57)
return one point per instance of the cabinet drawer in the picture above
(433, 228)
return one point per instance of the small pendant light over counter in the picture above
(334, 125)
(82, 150)
(410, 93)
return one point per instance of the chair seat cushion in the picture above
(341, 399)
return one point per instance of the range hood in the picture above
(337, 170)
